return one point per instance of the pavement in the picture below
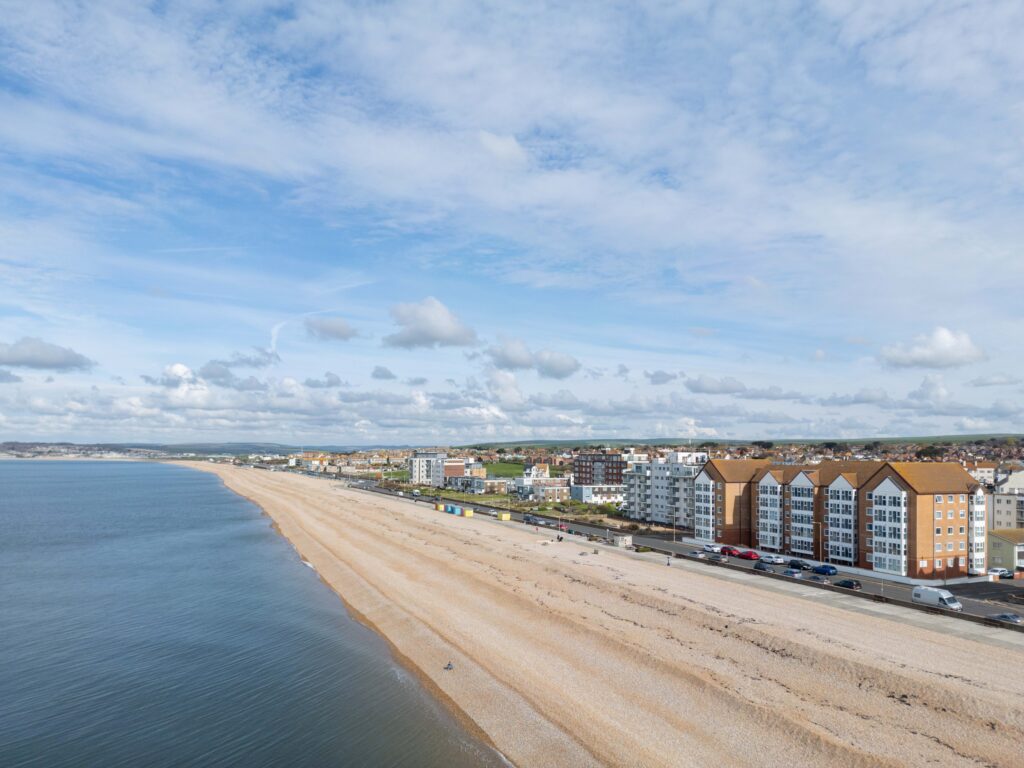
(983, 599)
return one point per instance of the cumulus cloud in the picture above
(942, 348)
(995, 380)
(32, 352)
(330, 328)
(709, 385)
(504, 389)
(514, 355)
(174, 375)
(428, 323)
(866, 396)
(382, 373)
(416, 381)
(7, 377)
(329, 381)
(931, 390)
(660, 377)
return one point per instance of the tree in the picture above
(764, 444)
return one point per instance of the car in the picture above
(718, 558)
(748, 555)
(794, 573)
(849, 584)
(699, 553)
(715, 548)
(774, 559)
(1000, 572)
(820, 579)
(825, 570)
(727, 550)
(1008, 618)
(800, 565)
(761, 565)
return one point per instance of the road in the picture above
(689, 549)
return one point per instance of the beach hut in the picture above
(439, 507)
(456, 510)
(504, 516)
(467, 511)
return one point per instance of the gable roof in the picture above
(737, 470)
(934, 476)
(1012, 535)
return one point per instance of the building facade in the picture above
(427, 468)
(598, 494)
(598, 468)
(1006, 549)
(661, 489)
(1006, 510)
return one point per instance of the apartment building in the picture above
(723, 494)
(427, 468)
(597, 494)
(1006, 510)
(598, 468)
(982, 471)
(1006, 548)
(661, 490)
(923, 520)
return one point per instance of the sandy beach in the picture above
(563, 657)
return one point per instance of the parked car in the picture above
(774, 559)
(849, 584)
(793, 573)
(761, 565)
(1002, 573)
(748, 554)
(800, 565)
(819, 579)
(699, 553)
(825, 570)
(718, 558)
(1009, 618)
(727, 550)
(716, 548)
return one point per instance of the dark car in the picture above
(825, 570)
(748, 555)
(762, 566)
(727, 550)
(794, 573)
(1009, 618)
(849, 584)
(799, 565)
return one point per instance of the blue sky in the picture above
(437, 223)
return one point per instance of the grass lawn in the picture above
(504, 469)
(402, 475)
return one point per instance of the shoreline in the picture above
(446, 701)
(573, 660)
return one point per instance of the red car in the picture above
(727, 550)
(749, 555)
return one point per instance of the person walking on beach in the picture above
(449, 667)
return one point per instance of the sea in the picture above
(151, 617)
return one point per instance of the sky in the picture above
(446, 222)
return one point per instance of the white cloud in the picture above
(383, 373)
(32, 352)
(555, 365)
(709, 385)
(995, 380)
(514, 355)
(943, 348)
(330, 328)
(660, 377)
(428, 323)
(932, 390)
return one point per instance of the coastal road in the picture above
(688, 549)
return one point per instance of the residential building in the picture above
(1006, 548)
(598, 494)
(427, 468)
(535, 483)
(598, 468)
(661, 490)
(722, 500)
(982, 471)
(476, 484)
(1006, 510)
(923, 520)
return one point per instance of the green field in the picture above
(402, 475)
(504, 469)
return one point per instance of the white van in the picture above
(937, 598)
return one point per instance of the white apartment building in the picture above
(427, 468)
(661, 490)
(598, 494)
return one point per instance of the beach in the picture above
(565, 657)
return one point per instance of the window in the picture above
(938, 563)
(922, 564)
(938, 514)
(870, 495)
(950, 531)
(963, 561)
(962, 529)
(963, 498)
(950, 515)
(938, 547)
(963, 514)
(949, 546)
(938, 499)
(938, 531)
(951, 561)
(963, 546)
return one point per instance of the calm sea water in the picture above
(150, 617)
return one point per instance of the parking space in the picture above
(1006, 591)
